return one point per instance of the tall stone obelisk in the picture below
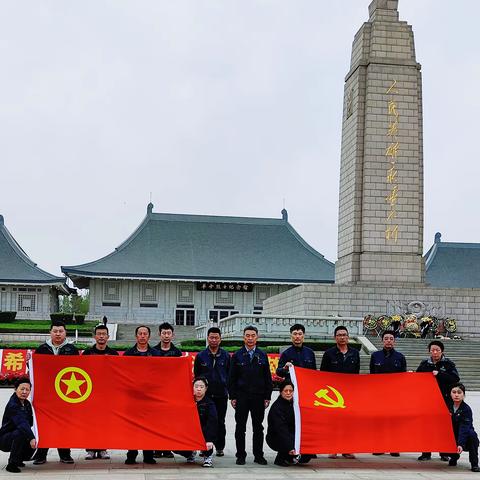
(380, 228)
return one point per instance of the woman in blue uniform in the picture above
(462, 422)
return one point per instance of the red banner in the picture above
(400, 412)
(124, 403)
(13, 363)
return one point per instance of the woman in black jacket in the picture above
(16, 434)
(462, 423)
(207, 413)
(281, 426)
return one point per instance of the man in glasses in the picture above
(341, 359)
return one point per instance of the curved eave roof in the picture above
(201, 247)
(453, 265)
(17, 268)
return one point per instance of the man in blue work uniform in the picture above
(297, 355)
(341, 359)
(388, 360)
(213, 363)
(250, 390)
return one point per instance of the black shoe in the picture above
(378, 453)
(281, 462)
(39, 461)
(66, 460)
(475, 469)
(150, 461)
(168, 454)
(220, 453)
(260, 460)
(157, 454)
(12, 468)
(240, 461)
(452, 462)
(423, 458)
(130, 461)
(444, 458)
(303, 459)
(394, 454)
(21, 464)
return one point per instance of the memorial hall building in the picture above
(25, 288)
(188, 269)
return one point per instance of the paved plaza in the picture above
(364, 467)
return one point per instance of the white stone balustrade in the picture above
(274, 326)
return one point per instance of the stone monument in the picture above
(380, 225)
(380, 268)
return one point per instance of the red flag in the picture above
(398, 412)
(127, 403)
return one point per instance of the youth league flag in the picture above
(398, 412)
(124, 403)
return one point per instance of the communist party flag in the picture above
(398, 412)
(126, 403)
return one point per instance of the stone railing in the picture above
(272, 326)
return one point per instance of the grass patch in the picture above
(43, 326)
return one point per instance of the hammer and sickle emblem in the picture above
(328, 401)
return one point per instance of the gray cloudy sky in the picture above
(216, 107)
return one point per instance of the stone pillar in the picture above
(380, 231)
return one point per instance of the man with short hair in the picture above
(250, 390)
(341, 359)
(213, 363)
(166, 348)
(297, 355)
(388, 360)
(141, 349)
(57, 344)
(100, 347)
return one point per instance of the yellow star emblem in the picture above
(73, 393)
(73, 384)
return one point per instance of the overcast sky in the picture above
(215, 107)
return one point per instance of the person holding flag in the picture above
(141, 349)
(57, 344)
(16, 435)
(297, 354)
(462, 421)
(341, 359)
(100, 347)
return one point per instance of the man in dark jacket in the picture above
(57, 344)
(99, 348)
(250, 390)
(388, 360)
(166, 348)
(141, 349)
(297, 355)
(213, 363)
(445, 373)
(341, 359)
(16, 435)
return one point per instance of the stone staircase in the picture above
(465, 354)
(126, 333)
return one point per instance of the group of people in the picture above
(245, 380)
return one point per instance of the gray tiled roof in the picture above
(453, 265)
(16, 266)
(200, 247)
